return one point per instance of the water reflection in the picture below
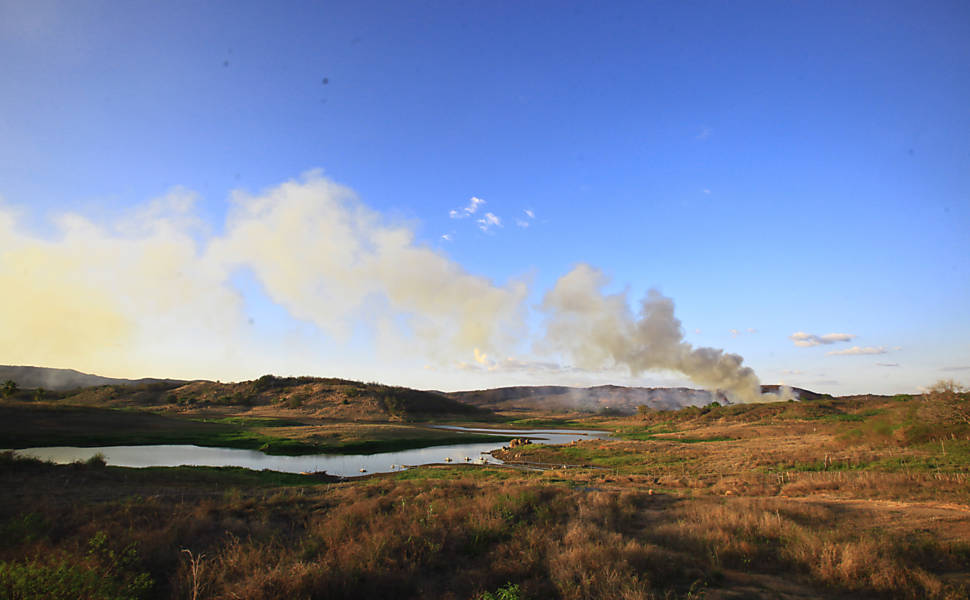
(334, 464)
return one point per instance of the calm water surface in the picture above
(346, 465)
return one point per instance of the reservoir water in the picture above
(345, 465)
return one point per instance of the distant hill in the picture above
(603, 398)
(326, 398)
(344, 399)
(64, 379)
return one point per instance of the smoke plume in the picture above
(152, 291)
(597, 330)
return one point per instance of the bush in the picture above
(947, 402)
(103, 575)
(97, 461)
(509, 592)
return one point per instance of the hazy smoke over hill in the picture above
(598, 330)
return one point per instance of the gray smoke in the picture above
(597, 330)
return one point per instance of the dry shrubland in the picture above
(859, 497)
(463, 538)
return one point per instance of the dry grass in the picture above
(460, 538)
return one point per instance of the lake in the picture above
(345, 465)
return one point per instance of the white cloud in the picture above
(707, 191)
(858, 351)
(807, 340)
(704, 133)
(735, 333)
(529, 213)
(468, 210)
(521, 223)
(887, 364)
(949, 369)
(447, 237)
(488, 221)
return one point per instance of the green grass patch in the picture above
(551, 423)
(851, 417)
(656, 437)
(451, 473)
(257, 421)
(816, 466)
(376, 446)
(29, 527)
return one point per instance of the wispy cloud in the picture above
(737, 332)
(526, 222)
(467, 211)
(482, 363)
(887, 364)
(488, 221)
(706, 191)
(948, 369)
(858, 351)
(704, 133)
(807, 340)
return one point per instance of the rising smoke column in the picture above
(598, 330)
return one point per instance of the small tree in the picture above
(9, 388)
(948, 401)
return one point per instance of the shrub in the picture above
(102, 575)
(509, 592)
(947, 401)
(97, 461)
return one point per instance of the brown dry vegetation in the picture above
(461, 537)
(854, 498)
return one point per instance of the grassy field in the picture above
(833, 498)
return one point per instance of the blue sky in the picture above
(772, 167)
